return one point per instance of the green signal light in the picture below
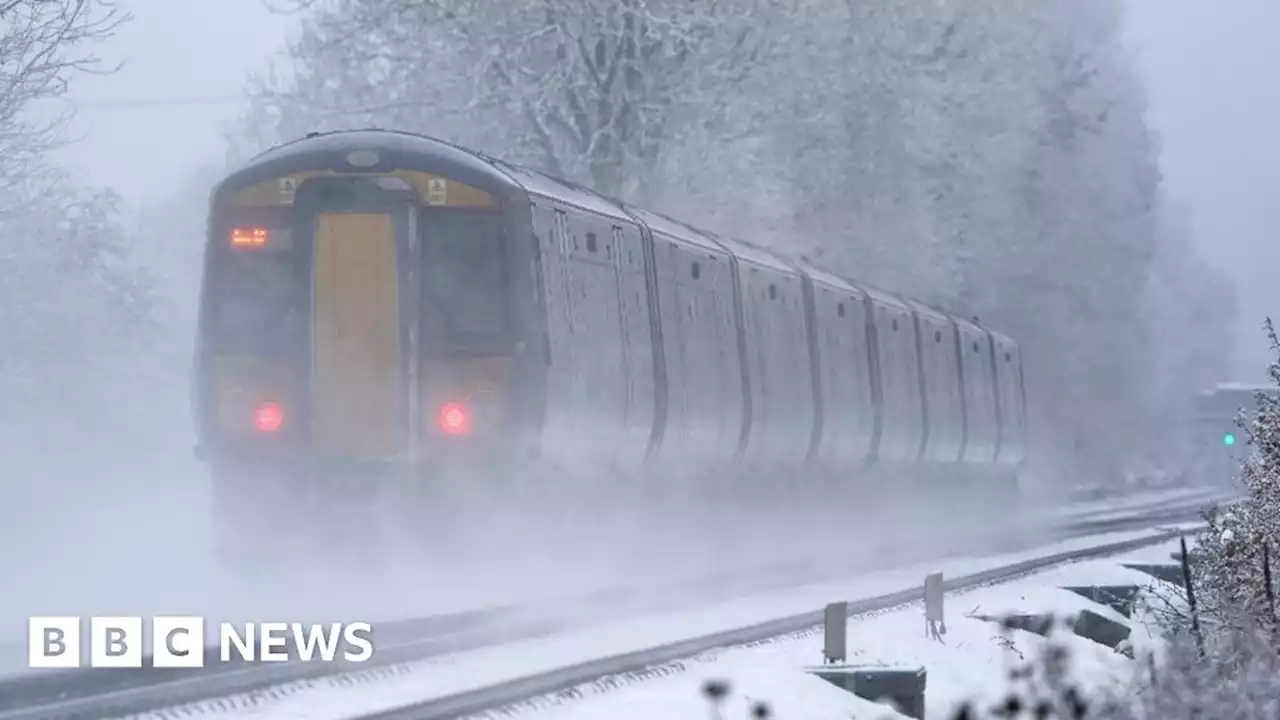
(1229, 439)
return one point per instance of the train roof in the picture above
(968, 324)
(828, 278)
(392, 149)
(883, 297)
(660, 223)
(755, 255)
(926, 310)
(564, 191)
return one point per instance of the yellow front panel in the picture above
(356, 343)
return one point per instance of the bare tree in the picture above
(590, 90)
(42, 47)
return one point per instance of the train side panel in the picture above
(981, 416)
(943, 399)
(844, 371)
(627, 248)
(1013, 419)
(592, 411)
(782, 407)
(562, 404)
(695, 297)
(903, 413)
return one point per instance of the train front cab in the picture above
(354, 330)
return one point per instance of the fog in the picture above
(995, 163)
(1209, 69)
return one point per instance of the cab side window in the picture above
(464, 277)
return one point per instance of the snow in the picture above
(1142, 503)
(971, 664)
(788, 692)
(415, 682)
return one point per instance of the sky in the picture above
(1210, 68)
(1208, 64)
(186, 62)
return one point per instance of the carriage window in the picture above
(464, 275)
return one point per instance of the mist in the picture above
(999, 164)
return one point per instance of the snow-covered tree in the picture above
(995, 160)
(590, 90)
(77, 312)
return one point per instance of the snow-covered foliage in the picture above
(1230, 568)
(995, 160)
(1219, 657)
(1237, 683)
(77, 311)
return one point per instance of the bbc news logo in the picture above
(179, 642)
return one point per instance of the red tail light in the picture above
(268, 417)
(454, 419)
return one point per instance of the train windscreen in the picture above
(255, 299)
(464, 277)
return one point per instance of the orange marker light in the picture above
(248, 237)
(268, 417)
(454, 419)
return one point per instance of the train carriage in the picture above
(363, 301)
(379, 304)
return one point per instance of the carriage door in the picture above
(363, 293)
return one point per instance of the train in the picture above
(1220, 444)
(382, 307)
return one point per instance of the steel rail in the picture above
(504, 695)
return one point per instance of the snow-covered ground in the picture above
(767, 672)
(972, 663)
(1116, 507)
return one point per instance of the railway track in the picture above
(95, 693)
(506, 697)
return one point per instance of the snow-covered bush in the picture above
(1231, 571)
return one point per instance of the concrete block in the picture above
(1088, 624)
(1102, 630)
(1167, 573)
(904, 685)
(1040, 624)
(1117, 597)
